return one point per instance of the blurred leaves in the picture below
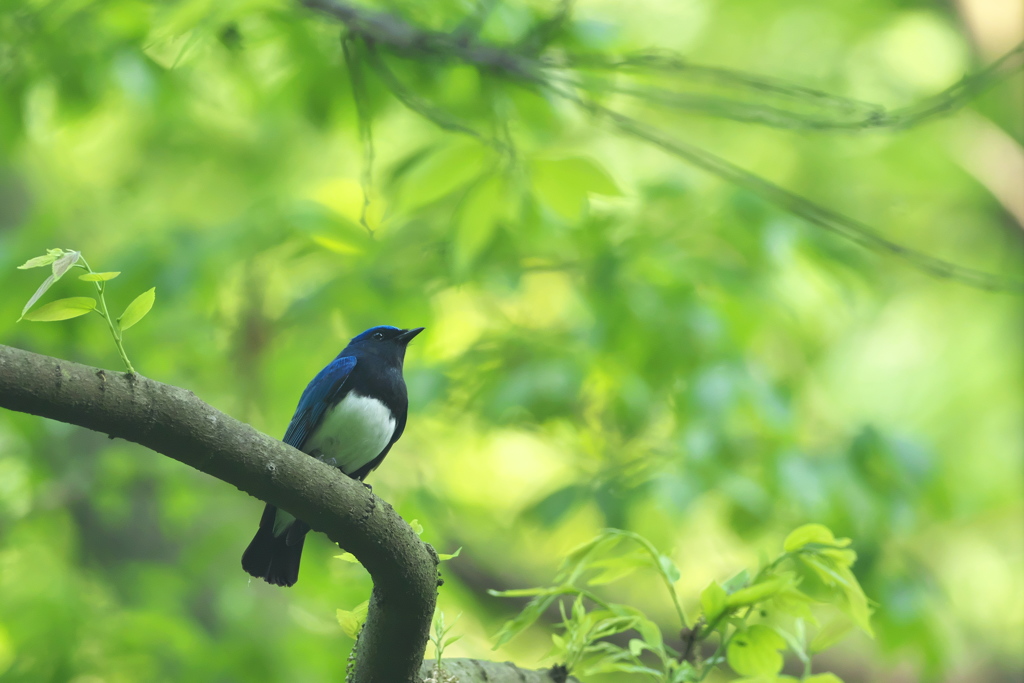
(615, 337)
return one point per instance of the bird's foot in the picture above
(368, 487)
(327, 461)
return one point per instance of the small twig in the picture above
(417, 104)
(361, 100)
(815, 214)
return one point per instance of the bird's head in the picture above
(383, 341)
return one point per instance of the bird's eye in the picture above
(379, 336)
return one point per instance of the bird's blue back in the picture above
(326, 389)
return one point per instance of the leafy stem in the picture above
(719, 654)
(104, 312)
(61, 261)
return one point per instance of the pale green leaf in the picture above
(533, 610)
(831, 633)
(448, 556)
(351, 621)
(823, 678)
(64, 263)
(793, 602)
(39, 292)
(417, 527)
(443, 171)
(756, 593)
(40, 261)
(812, 533)
(137, 309)
(712, 601)
(336, 245)
(477, 218)
(521, 592)
(668, 568)
(847, 593)
(611, 569)
(99, 277)
(755, 651)
(347, 557)
(650, 633)
(737, 581)
(62, 309)
(564, 184)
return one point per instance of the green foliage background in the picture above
(614, 339)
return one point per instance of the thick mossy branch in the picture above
(174, 422)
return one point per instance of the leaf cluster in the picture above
(63, 260)
(754, 619)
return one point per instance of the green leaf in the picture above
(793, 602)
(441, 172)
(351, 621)
(831, 633)
(64, 263)
(737, 581)
(668, 568)
(99, 277)
(39, 292)
(611, 569)
(417, 527)
(756, 593)
(564, 184)
(754, 651)
(712, 601)
(579, 558)
(478, 217)
(795, 643)
(533, 610)
(651, 634)
(443, 557)
(137, 309)
(850, 596)
(347, 557)
(521, 592)
(39, 261)
(62, 309)
(812, 533)
(823, 678)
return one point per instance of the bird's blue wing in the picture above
(327, 388)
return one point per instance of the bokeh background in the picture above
(613, 337)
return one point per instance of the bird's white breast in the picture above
(353, 432)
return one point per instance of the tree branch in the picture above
(174, 422)
(474, 670)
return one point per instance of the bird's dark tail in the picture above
(275, 559)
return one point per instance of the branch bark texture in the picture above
(477, 671)
(176, 423)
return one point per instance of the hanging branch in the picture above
(545, 74)
(362, 101)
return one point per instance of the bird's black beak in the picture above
(405, 336)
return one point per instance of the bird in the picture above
(350, 415)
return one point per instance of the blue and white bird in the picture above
(350, 415)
